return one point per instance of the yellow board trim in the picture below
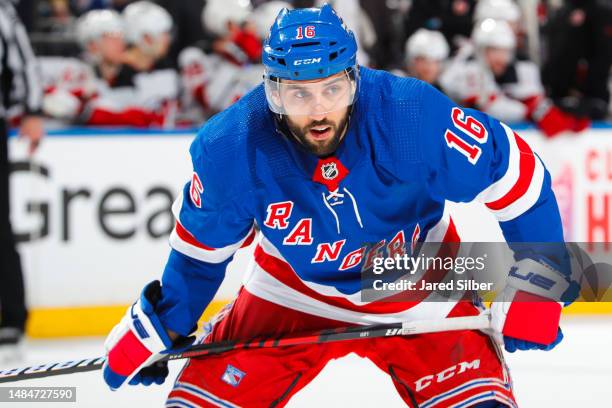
(86, 321)
(589, 308)
(99, 320)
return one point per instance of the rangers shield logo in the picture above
(232, 376)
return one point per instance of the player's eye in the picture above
(332, 89)
(301, 95)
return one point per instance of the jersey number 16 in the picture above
(468, 126)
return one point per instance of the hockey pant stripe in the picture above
(201, 394)
(179, 402)
(483, 397)
(463, 388)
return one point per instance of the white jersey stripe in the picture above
(265, 286)
(530, 197)
(502, 186)
(211, 255)
(354, 298)
(439, 231)
(216, 255)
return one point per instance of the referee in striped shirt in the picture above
(20, 84)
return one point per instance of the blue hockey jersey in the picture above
(407, 149)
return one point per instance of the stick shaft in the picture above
(324, 336)
(480, 322)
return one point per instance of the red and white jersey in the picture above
(134, 98)
(211, 83)
(68, 84)
(74, 92)
(70, 74)
(470, 82)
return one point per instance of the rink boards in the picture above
(92, 213)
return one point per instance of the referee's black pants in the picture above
(13, 312)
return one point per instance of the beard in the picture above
(321, 148)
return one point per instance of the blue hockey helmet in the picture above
(308, 45)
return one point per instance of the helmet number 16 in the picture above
(468, 126)
(308, 32)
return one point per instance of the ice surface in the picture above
(576, 373)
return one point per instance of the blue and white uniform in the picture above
(407, 149)
(321, 218)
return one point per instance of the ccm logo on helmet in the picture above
(307, 61)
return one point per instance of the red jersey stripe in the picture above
(189, 238)
(527, 166)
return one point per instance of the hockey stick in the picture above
(480, 322)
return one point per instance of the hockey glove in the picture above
(61, 104)
(526, 314)
(552, 120)
(156, 373)
(138, 342)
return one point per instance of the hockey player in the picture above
(324, 156)
(116, 87)
(68, 84)
(102, 36)
(144, 91)
(212, 82)
(71, 83)
(149, 29)
(501, 10)
(358, 21)
(237, 37)
(264, 15)
(508, 11)
(486, 75)
(426, 52)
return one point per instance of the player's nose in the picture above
(318, 107)
(315, 117)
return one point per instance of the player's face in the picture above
(163, 45)
(314, 97)
(498, 59)
(320, 134)
(157, 46)
(425, 69)
(112, 48)
(317, 111)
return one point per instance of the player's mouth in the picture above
(320, 133)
